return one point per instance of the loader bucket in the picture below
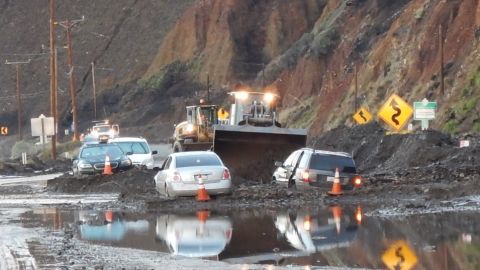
(250, 152)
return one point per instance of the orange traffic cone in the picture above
(337, 187)
(107, 169)
(202, 195)
(337, 216)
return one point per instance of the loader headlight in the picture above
(189, 128)
(241, 95)
(268, 98)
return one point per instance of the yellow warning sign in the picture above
(3, 130)
(395, 112)
(362, 116)
(399, 256)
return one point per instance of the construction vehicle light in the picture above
(268, 98)
(241, 95)
(190, 128)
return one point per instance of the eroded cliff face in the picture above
(154, 57)
(309, 49)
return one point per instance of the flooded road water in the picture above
(335, 236)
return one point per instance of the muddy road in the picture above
(421, 195)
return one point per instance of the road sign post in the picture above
(395, 112)
(42, 127)
(424, 111)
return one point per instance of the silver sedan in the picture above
(182, 172)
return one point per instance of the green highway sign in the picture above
(424, 110)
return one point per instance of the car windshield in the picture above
(134, 147)
(113, 151)
(197, 160)
(331, 162)
(101, 128)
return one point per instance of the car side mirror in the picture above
(129, 153)
(154, 152)
(278, 164)
(156, 169)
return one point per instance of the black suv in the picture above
(317, 168)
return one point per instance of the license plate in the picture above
(203, 177)
(330, 178)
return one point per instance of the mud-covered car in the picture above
(182, 172)
(91, 159)
(141, 155)
(317, 168)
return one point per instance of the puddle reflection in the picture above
(312, 233)
(335, 236)
(202, 235)
(114, 227)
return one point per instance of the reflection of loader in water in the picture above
(254, 138)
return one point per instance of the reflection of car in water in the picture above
(312, 233)
(96, 226)
(191, 237)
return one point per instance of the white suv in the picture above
(141, 155)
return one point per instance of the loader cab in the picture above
(203, 115)
(254, 108)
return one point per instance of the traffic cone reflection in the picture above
(109, 216)
(359, 215)
(202, 215)
(202, 195)
(336, 187)
(107, 169)
(337, 216)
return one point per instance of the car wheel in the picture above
(177, 147)
(76, 172)
(274, 180)
(168, 194)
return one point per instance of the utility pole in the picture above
(208, 88)
(19, 99)
(94, 92)
(68, 25)
(356, 88)
(53, 78)
(442, 79)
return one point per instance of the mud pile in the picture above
(34, 166)
(376, 152)
(132, 182)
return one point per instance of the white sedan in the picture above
(181, 173)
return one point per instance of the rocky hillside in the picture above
(159, 54)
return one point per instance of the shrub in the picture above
(23, 147)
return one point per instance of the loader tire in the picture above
(177, 147)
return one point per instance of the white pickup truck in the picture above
(105, 131)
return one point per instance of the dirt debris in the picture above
(423, 166)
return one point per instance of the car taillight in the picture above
(307, 223)
(176, 176)
(357, 181)
(305, 176)
(226, 174)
